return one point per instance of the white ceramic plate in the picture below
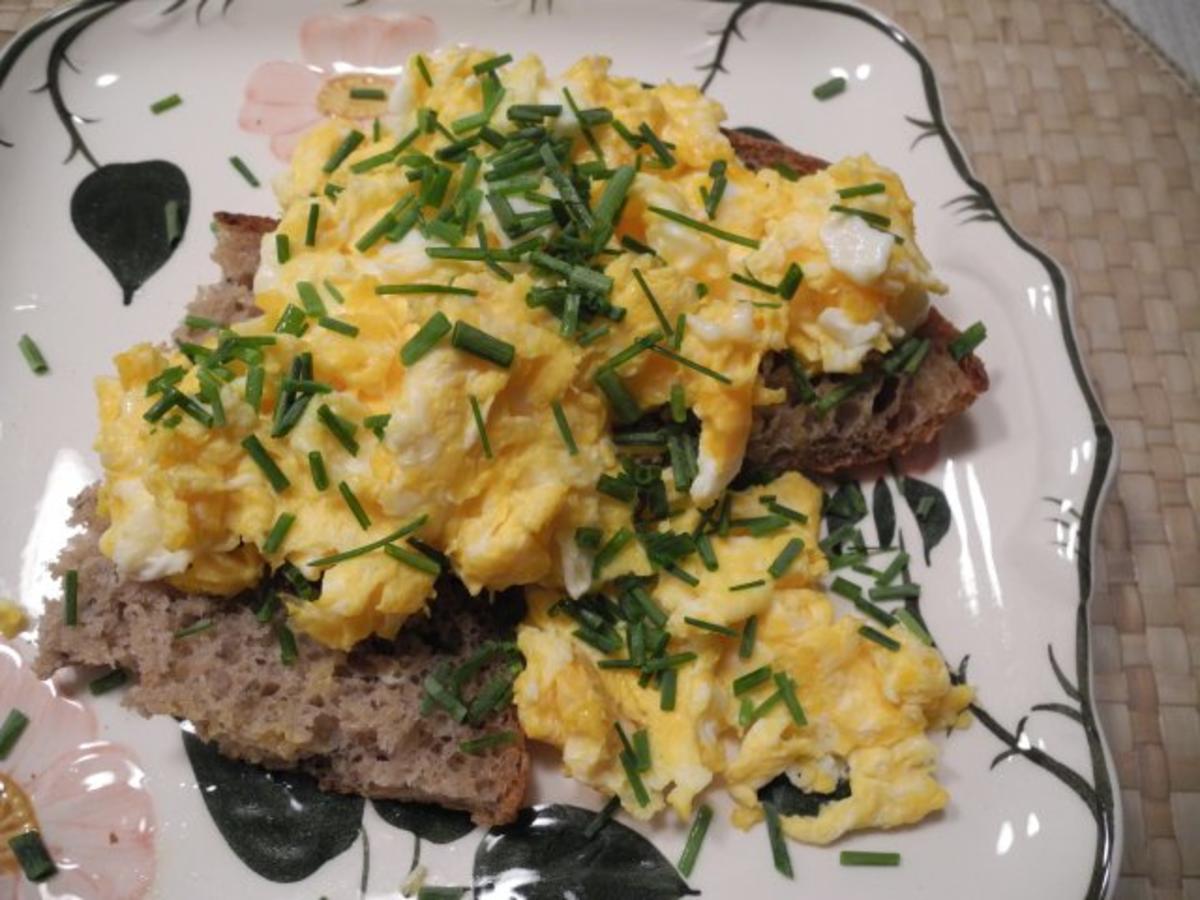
(1023, 473)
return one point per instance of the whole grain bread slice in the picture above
(889, 416)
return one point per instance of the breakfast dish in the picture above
(324, 506)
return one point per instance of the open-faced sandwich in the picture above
(500, 433)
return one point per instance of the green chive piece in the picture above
(348, 145)
(377, 424)
(201, 323)
(436, 328)
(613, 197)
(713, 197)
(618, 488)
(478, 745)
(691, 364)
(402, 531)
(373, 162)
(633, 245)
(667, 690)
(638, 347)
(747, 585)
(625, 408)
(673, 661)
(786, 171)
(704, 227)
(830, 88)
(278, 532)
(658, 313)
(14, 726)
(33, 355)
(592, 335)
(244, 170)
(786, 557)
(310, 228)
(601, 818)
(360, 514)
(210, 393)
(333, 291)
(749, 632)
(255, 377)
(787, 689)
(879, 637)
(564, 427)
(468, 338)
(158, 107)
(790, 281)
(710, 626)
(490, 65)
(367, 93)
(779, 850)
(253, 446)
(641, 749)
(909, 621)
(695, 839)
(862, 190)
(269, 602)
(288, 651)
(963, 345)
(197, 627)
(172, 221)
(109, 681)
(629, 764)
(32, 855)
(480, 426)
(868, 858)
(680, 328)
(340, 428)
(896, 591)
(291, 321)
(316, 465)
(418, 561)
(384, 289)
(743, 684)
(71, 597)
(678, 404)
(871, 218)
(310, 299)
(419, 60)
(611, 550)
(331, 324)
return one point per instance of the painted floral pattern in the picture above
(87, 797)
(338, 52)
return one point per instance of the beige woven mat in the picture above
(1092, 147)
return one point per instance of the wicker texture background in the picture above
(1091, 145)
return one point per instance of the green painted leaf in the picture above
(545, 855)
(791, 801)
(120, 211)
(425, 820)
(846, 506)
(278, 823)
(932, 512)
(885, 513)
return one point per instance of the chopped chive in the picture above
(713, 198)
(846, 560)
(710, 626)
(787, 689)
(871, 218)
(201, 323)
(662, 319)
(879, 637)
(790, 281)
(14, 726)
(868, 858)
(278, 532)
(423, 69)
(340, 428)
(748, 682)
(779, 850)
(376, 130)
(469, 339)
(316, 466)
(31, 853)
(847, 589)
(601, 818)
(418, 561)
(691, 364)
(896, 591)
(611, 550)
(613, 197)
(244, 170)
(158, 107)
(678, 407)
(747, 585)
(592, 335)
(253, 446)
(629, 763)
(787, 512)
(480, 426)
(862, 190)
(373, 162)
(665, 159)
(786, 557)
(668, 687)
(310, 228)
(384, 289)
(751, 282)
(830, 88)
(310, 299)
(331, 324)
(909, 621)
(625, 408)
(635, 246)
(377, 424)
(367, 93)
(478, 745)
(639, 346)
(918, 357)
(348, 145)
(291, 321)
(641, 749)
(210, 393)
(356, 507)
(708, 556)
(492, 64)
(436, 328)
(33, 355)
(396, 535)
(963, 345)
(267, 608)
(71, 597)
(255, 376)
(704, 227)
(618, 488)
(195, 628)
(564, 427)
(109, 681)
(695, 839)
(749, 632)
(288, 652)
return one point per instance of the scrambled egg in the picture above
(498, 467)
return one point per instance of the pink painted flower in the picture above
(340, 52)
(86, 797)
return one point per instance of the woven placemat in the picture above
(1090, 142)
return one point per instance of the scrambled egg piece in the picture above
(310, 437)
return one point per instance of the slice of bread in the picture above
(888, 417)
